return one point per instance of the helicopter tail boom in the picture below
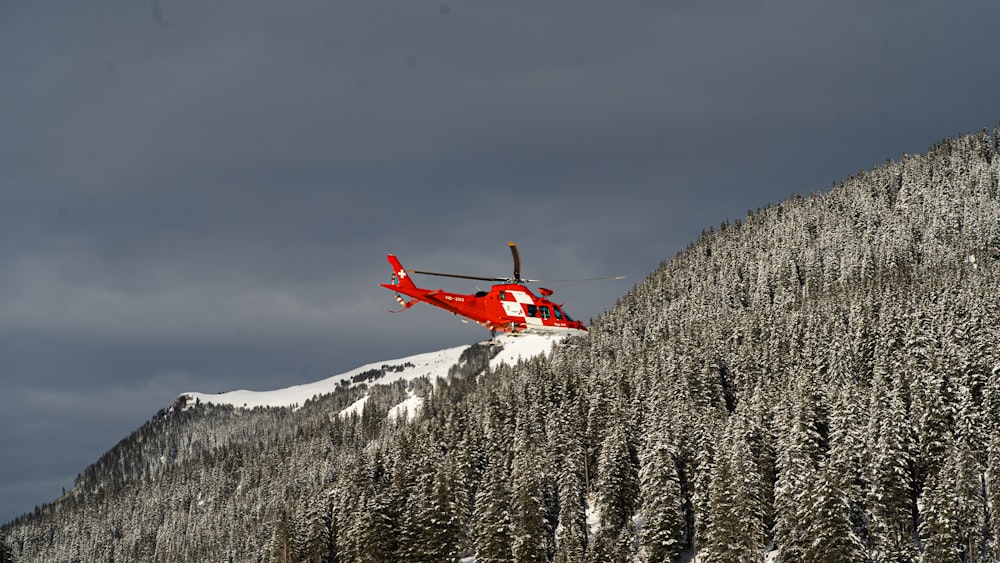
(401, 277)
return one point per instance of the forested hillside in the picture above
(819, 378)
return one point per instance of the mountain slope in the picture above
(817, 382)
(431, 365)
(178, 468)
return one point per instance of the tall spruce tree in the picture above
(617, 492)
(798, 448)
(845, 469)
(492, 520)
(952, 518)
(565, 435)
(529, 527)
(735, 531)
(6, 551)
(829, 537)
(890, 498)
(662, 504)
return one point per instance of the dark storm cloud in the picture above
(199, 196)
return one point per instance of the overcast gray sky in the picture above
(199, 196)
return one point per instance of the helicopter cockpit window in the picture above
(568, 318)
(545, 312)
(557, 313)
(532, 311)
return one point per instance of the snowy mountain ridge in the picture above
(431, 365)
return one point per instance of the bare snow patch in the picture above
(524, 347)
(407, 408)
(357, 407)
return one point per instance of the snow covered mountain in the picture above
(432, 365)
(220, 431)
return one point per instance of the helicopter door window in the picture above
(557, 313)
(532, 311)
(545, 312)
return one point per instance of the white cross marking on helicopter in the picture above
(401, 274)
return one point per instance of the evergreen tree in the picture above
(417, 522)
(314, 543)
(991, 402)
(932, 397)
(993, 495)
(617, 490)
(492, 516)
(801, 452)
(662, 505)
(565, 433)
(704, 441)
(6, 551)
(845, 472)
(446, 526)
(571, 532)
(283, 549)
(950, 505)
(529, 528)
(830, 538)
(890, 501)
(373, 532)
(735, 530)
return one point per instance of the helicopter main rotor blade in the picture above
(578, 279)
(517, 260)
(460, 276)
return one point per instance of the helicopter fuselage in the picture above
(506, 307)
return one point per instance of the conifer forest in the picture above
(818, 381)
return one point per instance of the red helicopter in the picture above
(506, 307)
